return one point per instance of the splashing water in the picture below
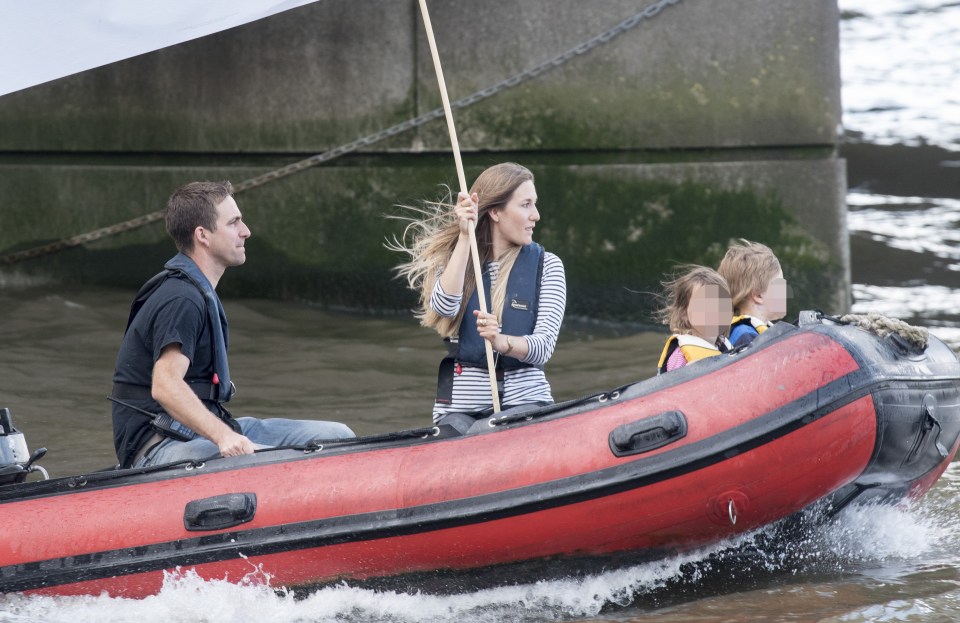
(916, 554)
(186, 597)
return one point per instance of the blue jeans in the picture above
(263, 433)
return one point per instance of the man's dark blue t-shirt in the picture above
(174, 314)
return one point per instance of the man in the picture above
(172, 375)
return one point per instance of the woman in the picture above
(525, 286)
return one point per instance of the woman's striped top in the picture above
(471, 388)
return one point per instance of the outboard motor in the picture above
(15, 460)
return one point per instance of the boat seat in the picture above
(479, 422)
(483, 425)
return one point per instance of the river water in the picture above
(900, 63)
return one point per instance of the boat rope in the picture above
(883, 326)
(83, 480)
(366, 141)
(319, 444)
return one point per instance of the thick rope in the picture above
(508, 83)
(883, 326)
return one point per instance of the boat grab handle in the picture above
(648, 434)
(219, 512)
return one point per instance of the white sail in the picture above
(42, 40)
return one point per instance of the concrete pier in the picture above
(703, 123)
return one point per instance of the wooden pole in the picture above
(474, 252)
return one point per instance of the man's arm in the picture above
(175, 396)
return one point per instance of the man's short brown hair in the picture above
(191, 206)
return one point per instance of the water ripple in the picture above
(900, 65)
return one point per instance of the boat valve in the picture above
(727, 508)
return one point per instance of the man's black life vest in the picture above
(183, 267)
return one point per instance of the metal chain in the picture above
(366, 141)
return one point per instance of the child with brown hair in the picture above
(696, 307)
(757, 289)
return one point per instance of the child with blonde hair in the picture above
(697, 305)
(757, 289)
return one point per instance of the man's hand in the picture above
(235, 444)
(175, 396)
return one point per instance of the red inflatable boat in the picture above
(821, 413)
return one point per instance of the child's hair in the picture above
(747, 267)
(678, 290)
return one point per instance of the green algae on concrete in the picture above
(319, 236)
(707, 123)
(699, 74)
(619, 240)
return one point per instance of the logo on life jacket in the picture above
(521, 305)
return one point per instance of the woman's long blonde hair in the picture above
(431, 235)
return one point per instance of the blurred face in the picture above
(227, 241)
(709, 312)
(513, 225)
(774, 298)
